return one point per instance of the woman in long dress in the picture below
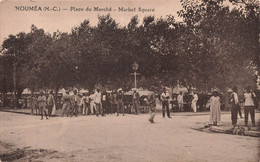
(215, 108)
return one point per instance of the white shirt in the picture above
(180, 98)
(249, 99)
(195, 98)
(165, 96)
(97, 97)
(235, 97)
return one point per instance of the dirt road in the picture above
(125, 138)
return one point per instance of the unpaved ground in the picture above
(123, 138)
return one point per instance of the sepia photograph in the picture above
(129, 81)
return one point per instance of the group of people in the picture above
(98, 103)
(43, 104)
(195, 100)
(249, 103)
(101, 103)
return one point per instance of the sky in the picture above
(66, 14)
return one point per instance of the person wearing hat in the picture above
(50, 103)
(165, 102)
(75, 103)
(136, 101)
(194, 101)
(33, 104)
(249, 104)
(215, 107)
(97, 101)
(234, 105)
(180, 101)
(66, 103)
(120, 105)
(42, 104)
(85, 103)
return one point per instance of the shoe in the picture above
(151, 120)
(169, 117)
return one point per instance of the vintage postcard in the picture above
(129, 80)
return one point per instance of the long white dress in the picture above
(194, 102)
(215, 109)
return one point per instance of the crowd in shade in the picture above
(101, 103)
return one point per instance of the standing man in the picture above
(165, 103)
(136, 100)
(234, 106)
(85, 104)
(97, 101)
(120, 105)
(108, 103)
(152, 106)
(50, 103)
(180, 101)
(42, 104)
(114, 102)
(75, 101)
(194, 101)
(33, 104)
(249, 108)
(66, 103)
(104, 102)
(92, 104)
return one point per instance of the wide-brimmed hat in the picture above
(214, 90)
(41, 92)
(230, 90)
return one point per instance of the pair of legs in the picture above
(66, 108)
(180, 106)
(152, 113)
(113, 108)
(43, 109)
(32, 109)
(194, 106)
(120, 106)
(49, 110)
(85, 109)
(136, 107)
(250, 110)
(234, 111)
(74, 110)
(99, 109)
(239, 111)
(165, 104)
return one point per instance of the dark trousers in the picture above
(120, 106)
(43, 110)
(250, 110)
(108, 108)
(74, 110)
(136, 106)
(165, 104)
(239, 111)
(113, 108)
(234, 111)
(49, 110)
